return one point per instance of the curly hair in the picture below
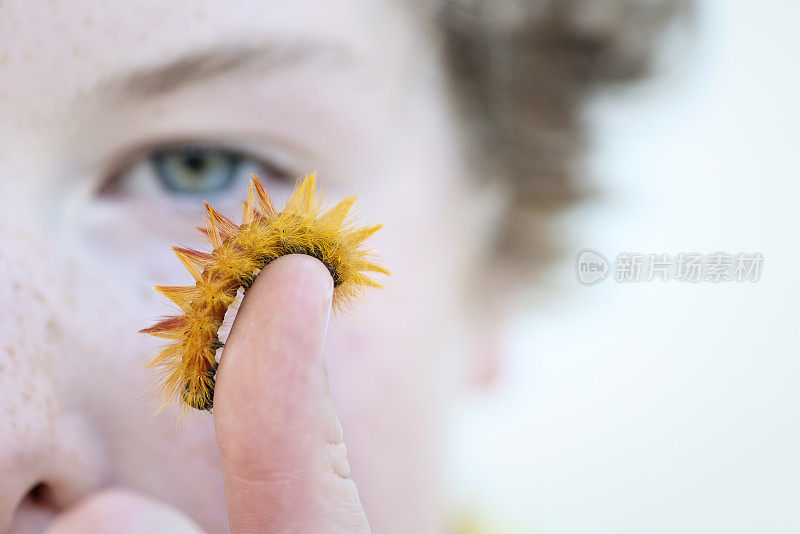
(521, 72)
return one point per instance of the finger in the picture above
(121, 512)
(283, 455)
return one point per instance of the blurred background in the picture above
(664, 407)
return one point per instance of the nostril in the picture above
(40, 494)
(36, 510)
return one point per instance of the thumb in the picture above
(283, 456)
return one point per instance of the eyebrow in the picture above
(204, 65)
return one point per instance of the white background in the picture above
(665, 407)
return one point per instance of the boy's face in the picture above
(95, 100)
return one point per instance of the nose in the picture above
(50, 453)
(49, 461)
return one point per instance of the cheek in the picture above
(391, 375)
(391, 385)
(75, 408)
(158, 454)
(390, 365)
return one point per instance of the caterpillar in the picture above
(188, 364)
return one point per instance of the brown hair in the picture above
(521, 72)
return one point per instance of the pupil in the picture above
(194, 161)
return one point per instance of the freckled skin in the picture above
(76, 410)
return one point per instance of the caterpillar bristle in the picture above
(248, 209)
(188, 364)
(166, 327)
(201, 259)
(265, 206)
(187, 261)
(340, 210)
(213, 232)
(226, 227)
(359, 236)
(182, 296)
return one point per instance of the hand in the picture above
(283, 458)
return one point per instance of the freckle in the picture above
(2, 368)
(4, 58)
(87, 21)
(76, 50)
(51, 326)
(26, 397)
(38, 295)
(200, 15)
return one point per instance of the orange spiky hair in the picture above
(188, 365)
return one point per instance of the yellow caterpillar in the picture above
(188, 364)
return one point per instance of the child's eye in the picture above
(187, 170)
(195, 170)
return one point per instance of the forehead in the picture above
(51, 49)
